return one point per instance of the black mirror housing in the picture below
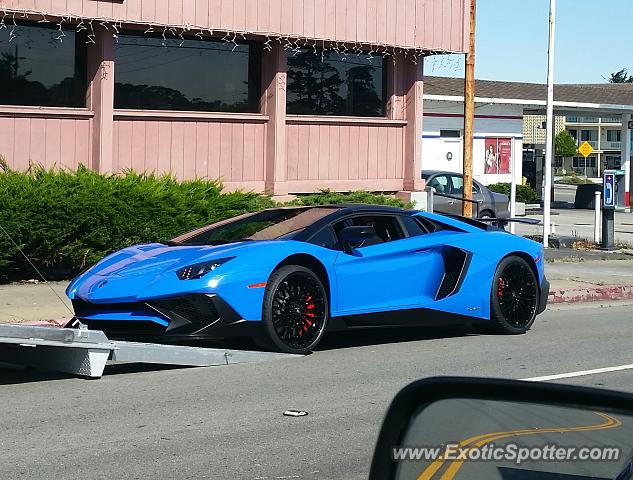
(419, 395)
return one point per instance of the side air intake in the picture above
(456, 263)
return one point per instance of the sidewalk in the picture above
(580, 224)
(575, 276)
(590, 280)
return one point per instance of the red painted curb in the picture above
(48, 323)
(591, 294)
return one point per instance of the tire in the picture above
(514, 297)
(486, 214)
(295, 310)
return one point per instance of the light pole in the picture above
(549, 137)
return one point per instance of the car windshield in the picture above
(266, 225)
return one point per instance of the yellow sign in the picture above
(585, 149)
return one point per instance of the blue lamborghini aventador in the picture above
(287, 275)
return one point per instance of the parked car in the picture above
(451, 184)
(286, 275)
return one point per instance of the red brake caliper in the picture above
(500, 287)
(308, 318)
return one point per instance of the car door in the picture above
(398, 272)
(444, 202)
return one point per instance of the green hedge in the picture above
(525, 194)
(65, 221)
(326, 197)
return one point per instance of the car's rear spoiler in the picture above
(503, 222)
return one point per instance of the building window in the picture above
(613, 135)
(334, 85)
(37, 69)
(574, 133)
(558, 162)
(199, 75)
(579, 162)
(588, 135)
(450, 133)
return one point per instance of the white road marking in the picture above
(580, 373)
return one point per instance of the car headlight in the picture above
(198, 270)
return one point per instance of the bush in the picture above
(326, 197)
(525, 194)
(65, 221)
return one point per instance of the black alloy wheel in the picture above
(295, 309)
(515, 296)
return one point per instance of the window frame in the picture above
(397, 218)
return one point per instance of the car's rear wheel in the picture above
(487, 214)
(514, 296)
(295, 309)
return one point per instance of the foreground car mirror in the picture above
(473, 428)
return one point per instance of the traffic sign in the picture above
(585, 149)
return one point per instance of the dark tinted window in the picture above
(36, 68)
(325, 238)
(415, 227)
(200, 75)
(387, 228)
(335, 85)
(450, 133)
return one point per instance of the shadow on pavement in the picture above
(14, 374)
(388, 335)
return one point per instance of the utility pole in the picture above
(469, 117)
(549, 123)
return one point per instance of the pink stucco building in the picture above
(282, 96)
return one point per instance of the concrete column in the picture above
(101, 99)
(412, 75)
(625, 138)
(274, 81)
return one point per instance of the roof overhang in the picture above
(537, 107)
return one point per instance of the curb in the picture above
(591, 294)
(48, 323)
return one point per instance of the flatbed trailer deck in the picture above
(83, 352)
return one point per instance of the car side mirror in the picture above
(356, 235)
(451, 427)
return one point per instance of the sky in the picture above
(593, 39)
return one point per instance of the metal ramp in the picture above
(86, 352)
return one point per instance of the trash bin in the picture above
(585, 195)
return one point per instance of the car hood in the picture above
(129, 273)
(155, 259)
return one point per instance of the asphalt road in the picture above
(227, 422)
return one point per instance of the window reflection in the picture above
(38, 69)
(335, 84)
(200, 75)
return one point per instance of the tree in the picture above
(565, 144)
(621, 76)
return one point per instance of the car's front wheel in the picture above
(295, 309)
(514, 296)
